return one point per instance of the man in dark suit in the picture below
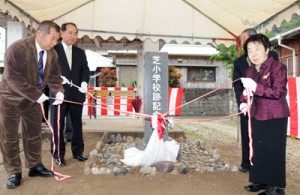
(240, 66)
(74, 67)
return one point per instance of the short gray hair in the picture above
(250, 31)
(45, 27)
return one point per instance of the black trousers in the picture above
(269, 148)
(46, 104)
(77, 144)
(69, 127)
(245, 141)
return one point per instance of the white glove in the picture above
(59, 98)
(249, 83)
(65, 80)
(244, 108)
(83, 88)
(245, 93)
(42, 98)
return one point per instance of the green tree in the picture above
(133, 82)
(226, 55)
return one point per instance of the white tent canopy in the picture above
(237, 15)
(203, 22)
(96, 60)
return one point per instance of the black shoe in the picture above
(243, 170)
(255, 187)
(273, 191)
(68, 139)
(60, 162)
(14, 180)
(40, 170)
(80, 158)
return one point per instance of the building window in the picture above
(196, 74)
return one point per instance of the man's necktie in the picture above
(41, 68)
(69, 56)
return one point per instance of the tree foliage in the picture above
(174, 77)
(108, 77)
(226, 55)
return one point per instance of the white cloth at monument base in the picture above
(157, 150)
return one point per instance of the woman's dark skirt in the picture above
(269, 148)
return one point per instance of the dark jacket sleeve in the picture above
(274, 55)
(238, 72)
(85, 71)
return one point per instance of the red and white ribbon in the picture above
(58, 176)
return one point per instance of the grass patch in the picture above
(293, 139)
(190, 133)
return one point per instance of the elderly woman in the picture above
(266, 81)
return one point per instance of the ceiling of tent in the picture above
(123, 24)
(237, 15)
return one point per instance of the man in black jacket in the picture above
(74, 68)
(240, 66)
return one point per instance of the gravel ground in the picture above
(224, 131)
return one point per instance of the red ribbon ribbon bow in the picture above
(160, 125)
